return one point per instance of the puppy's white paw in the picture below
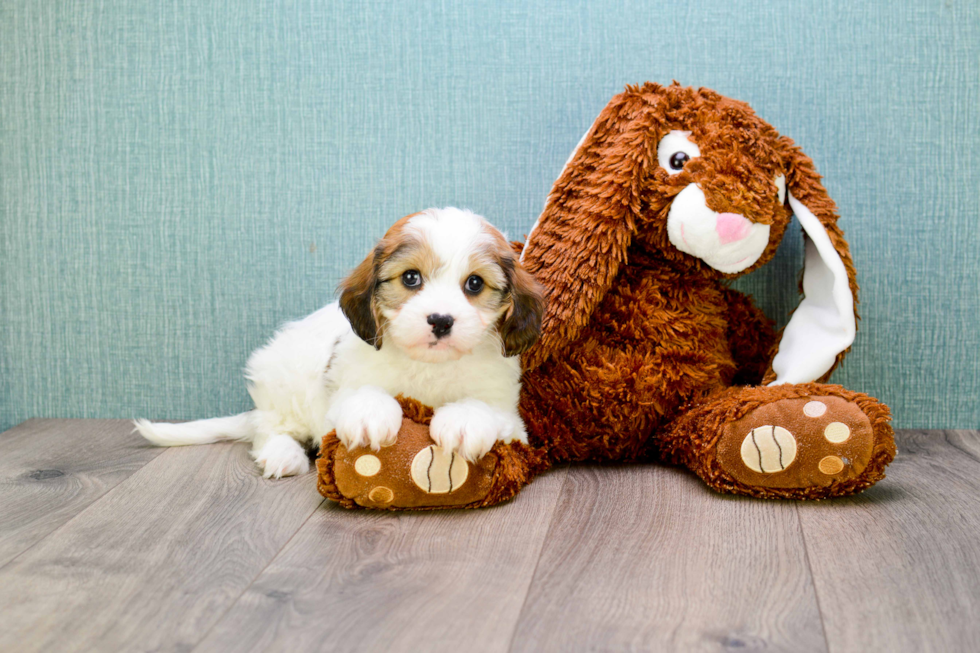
(281, 456)
(468, 427)
(367, 416)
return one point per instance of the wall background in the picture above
(177, 178)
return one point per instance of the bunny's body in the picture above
(647, 354)
(659, 339)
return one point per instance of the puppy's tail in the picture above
(203, 431)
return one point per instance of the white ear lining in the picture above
(823, 325)
(570, 157)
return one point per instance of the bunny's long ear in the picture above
(822, 327)
(580, 241)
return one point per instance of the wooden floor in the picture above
(107, 544)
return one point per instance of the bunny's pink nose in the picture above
(732, 227)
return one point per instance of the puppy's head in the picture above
(438, 284)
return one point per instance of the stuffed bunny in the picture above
(646, 353)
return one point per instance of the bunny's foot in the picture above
(798, 443)
(808, 441)
(412, 472)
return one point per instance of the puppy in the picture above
(438, 311)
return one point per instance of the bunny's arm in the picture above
(751, 337)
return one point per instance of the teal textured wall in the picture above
(177, 178)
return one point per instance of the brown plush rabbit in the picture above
(646, 353)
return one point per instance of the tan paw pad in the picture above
(768, 449)
(381, 495)
(367, 465)
(830, 465)
(814, 409)
(837, 432)
(437, 471)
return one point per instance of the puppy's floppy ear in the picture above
(823, 326)
(357, 301)
(520, 325)
(580, 241)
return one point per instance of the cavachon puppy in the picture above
(439, 311)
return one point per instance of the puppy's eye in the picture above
(474, 284)
(411, 279)
(675, 150)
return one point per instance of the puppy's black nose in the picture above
(441, 324)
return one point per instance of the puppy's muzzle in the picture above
(441, 324)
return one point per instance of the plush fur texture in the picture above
(642, 342)
(440, 309)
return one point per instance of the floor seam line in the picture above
(537, 563)
(813, 579)
(949, 435)
(272, 559)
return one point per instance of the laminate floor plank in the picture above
(897, 568)
(156, 561)
(374, 581)
(52, 469)
(647, 558)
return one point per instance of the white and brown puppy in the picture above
(438, 311)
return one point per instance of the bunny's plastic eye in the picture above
(674, 151)
(678, 160)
